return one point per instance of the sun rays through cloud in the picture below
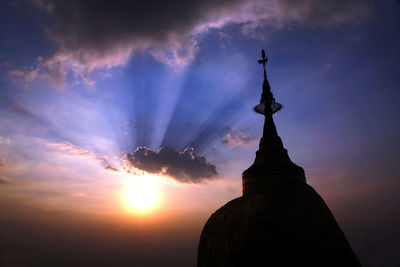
(134, 121)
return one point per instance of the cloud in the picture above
(76, 151)
(322, 12)
(4, 141)
(238, 139)
(4, 180)
(92, 35)
(112, 169)
(28, 75)
(182, 166)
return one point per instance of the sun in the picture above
(142, 194)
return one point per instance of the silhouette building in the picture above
(279, 220)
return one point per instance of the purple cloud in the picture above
(4, 140)
(92, 35)
(72, 150)
(238, 139)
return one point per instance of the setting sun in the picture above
(142, 193)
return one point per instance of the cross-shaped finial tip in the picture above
(262, 61)
(264, 58)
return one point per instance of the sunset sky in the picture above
(124, 125)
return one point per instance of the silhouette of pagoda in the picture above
(280, 220)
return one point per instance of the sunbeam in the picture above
(125, 124)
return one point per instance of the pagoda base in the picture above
(280, 226)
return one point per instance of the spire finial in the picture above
(272, 163)
(267, 102)
(262, 61)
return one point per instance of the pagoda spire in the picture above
(272, 164)
(267, 107)
(280, 220)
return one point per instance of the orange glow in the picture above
(141, 193)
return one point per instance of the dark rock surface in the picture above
(282, 226)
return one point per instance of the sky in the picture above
(125, 124)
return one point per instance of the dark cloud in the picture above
(111, 168)
(103, 34)
(182, 166)
(322, 12)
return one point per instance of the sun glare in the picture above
(142, 193)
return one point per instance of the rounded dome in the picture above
(283, 226)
